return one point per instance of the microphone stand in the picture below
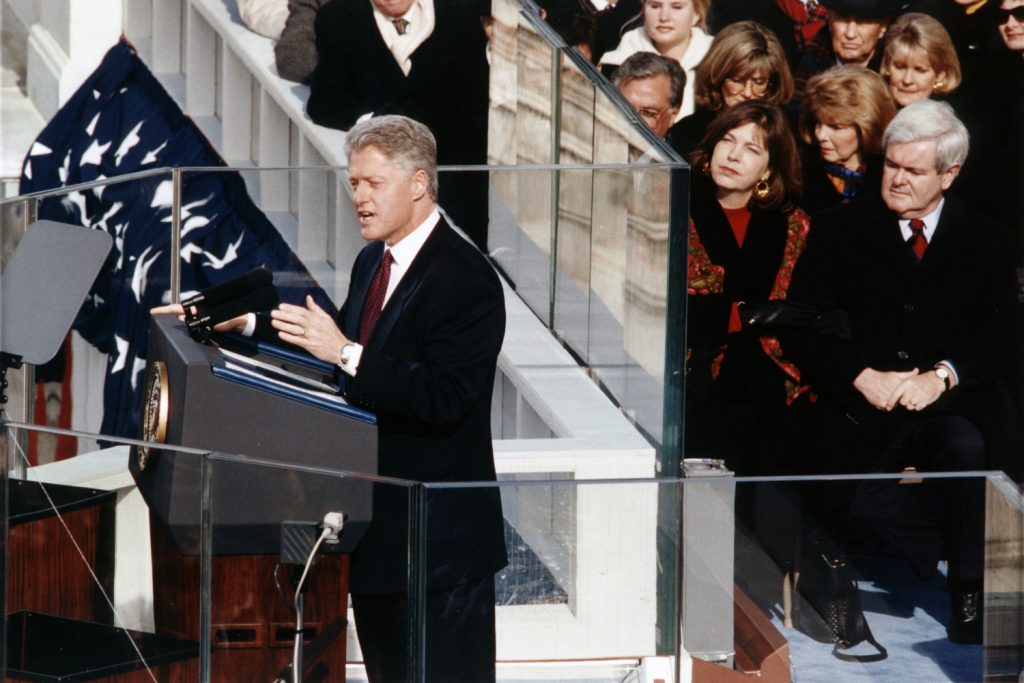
(303, 657)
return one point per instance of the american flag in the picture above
(121, 120)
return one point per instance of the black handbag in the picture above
(826, 584)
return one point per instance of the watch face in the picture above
(943, 373)
(154, 411)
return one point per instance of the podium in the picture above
(197, 396)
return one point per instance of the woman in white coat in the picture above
(671, 28)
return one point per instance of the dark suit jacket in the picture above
(446, 89)
(428, 372)
(957, 304)
(686, 133)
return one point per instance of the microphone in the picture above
(249, 293)
(232, 289)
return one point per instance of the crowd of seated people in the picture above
(893, 340)
(852, 288)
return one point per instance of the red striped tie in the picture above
(918, 242)
(375, 298)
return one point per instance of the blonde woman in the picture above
(670, 28)
(919, 60)
(746, 62)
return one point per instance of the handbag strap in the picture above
(877, 657)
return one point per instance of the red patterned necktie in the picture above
(918, 242)
(375, 298)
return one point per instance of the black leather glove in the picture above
(777, 314)
(833, 323)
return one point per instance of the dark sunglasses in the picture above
(1017, 13)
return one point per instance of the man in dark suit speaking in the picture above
(417, 340)
(920, 380)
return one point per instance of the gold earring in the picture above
(761, 189)
(939, 85)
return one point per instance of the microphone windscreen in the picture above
(263, 299)
(232, 289)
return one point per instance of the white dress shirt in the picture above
(403, 253)
(931, 221)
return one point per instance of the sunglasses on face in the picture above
(1017, 13)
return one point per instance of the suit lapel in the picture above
(946, 241)
(883, 232)
(408, 287)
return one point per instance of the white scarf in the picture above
(421, 24)
(636, 40)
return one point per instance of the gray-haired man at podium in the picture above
(417, 340)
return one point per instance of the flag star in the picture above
(152, 155)
(129, 141)
(141, 271)
(120, 355)
(94, 155)
(229, 255)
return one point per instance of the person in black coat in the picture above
(919, 382)
(842, 118)
(416, 342)
(745, 233)
(426, 368)
(993, 109)
(441, 81)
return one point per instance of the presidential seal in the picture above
(154, 411)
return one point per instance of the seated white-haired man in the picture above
(929, 287)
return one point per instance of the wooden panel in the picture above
(46, 573)
(245, 602)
